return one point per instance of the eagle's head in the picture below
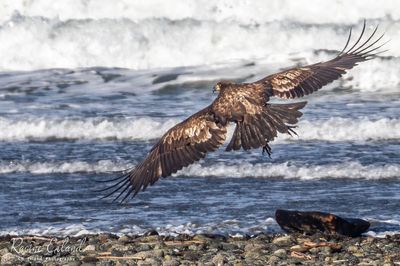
(221, 85)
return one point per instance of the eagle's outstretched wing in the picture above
(299, 81)
(257, 122)
(185, 143)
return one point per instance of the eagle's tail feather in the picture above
(257, 130)
(287, 113)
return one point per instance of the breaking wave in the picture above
(38, 42)
(227, 227)
(146, 128)
(346, 129)
(86, 129)
(352, 170)
(62, 167)
(307, 11)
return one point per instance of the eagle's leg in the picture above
(267, 149)
(290, 131)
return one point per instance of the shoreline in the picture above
(202, 249)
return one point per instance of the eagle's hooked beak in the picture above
(216, 88)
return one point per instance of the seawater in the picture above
(85, 93)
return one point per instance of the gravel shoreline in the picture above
(152, 249)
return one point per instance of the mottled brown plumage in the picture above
(246, 105)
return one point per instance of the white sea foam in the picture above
(231, 227)
(307, 11)
(346, 129)
(71, 230)
(40, 42)
(353, 170)
(146, 128)
(382, 234)
(61, 167)
(37, 128)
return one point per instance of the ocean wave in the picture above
(346, 129)
(30, 43)
(146, 128)
(306, 11)
(86, 129)
(104, 166)
(376, 76)
(227, 227)
(352, 170)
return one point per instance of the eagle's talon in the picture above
(267, 149)
(291, 131)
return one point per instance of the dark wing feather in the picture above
(300, 81)
(181, 146)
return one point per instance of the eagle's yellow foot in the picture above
(267, 149)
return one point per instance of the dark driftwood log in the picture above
(312, 222)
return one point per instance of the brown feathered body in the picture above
(257, 122)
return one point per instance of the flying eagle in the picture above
(246, 105)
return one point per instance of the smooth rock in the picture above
(151, 233)
(153, 261)
(352, 249)
(328, 260)
(4, 251)
(192, 256)
(9, 258)
(150, 238)
(314, 250)
(150, 254)
(325, 250)
(238, 263)
(299, 248)
(359, 254)
(124, 238)
(219, 259)
(281, 253)
(273, 259)
(89, 248)
(254, 247)
(171, 262)
(120, 247)
(282, 241)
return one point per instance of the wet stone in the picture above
(151, 233)
(282, 241)
(219, 259)
(268, 249)
(192, 256)
(325, 250)
(171, 262)
(281, 253)
(124, 238)
(89, 248)
(9, 259)
(273, 259)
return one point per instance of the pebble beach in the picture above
(153, 249)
